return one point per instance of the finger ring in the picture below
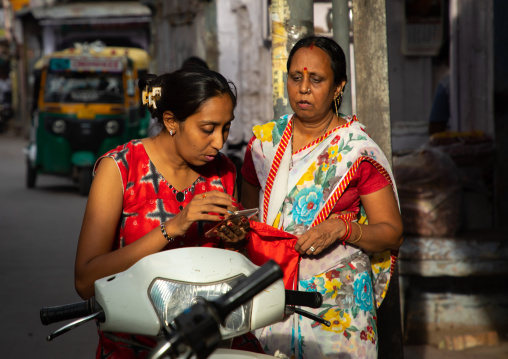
(312, 249)
(204, 195)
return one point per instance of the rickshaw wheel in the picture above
(85, 180)
(31, 175)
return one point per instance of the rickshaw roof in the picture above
(139, 57)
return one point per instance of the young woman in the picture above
(161, 192)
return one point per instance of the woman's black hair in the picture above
(332, 49)
(195, 61)
(184, 91)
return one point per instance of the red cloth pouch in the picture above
(266, 242)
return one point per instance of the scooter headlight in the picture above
(112, 127)
(58, 126)
(170, 298)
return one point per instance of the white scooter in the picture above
(192, 300)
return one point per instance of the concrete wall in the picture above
(230, 35)
(244, 58)
(472, 65)
(413, 79)
(411, 90)
(180, 30)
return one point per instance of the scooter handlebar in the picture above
(304, 299)
(59, 313)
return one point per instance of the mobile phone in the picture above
(249, 213)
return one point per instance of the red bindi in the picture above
(304, 69)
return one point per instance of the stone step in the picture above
(465, 341)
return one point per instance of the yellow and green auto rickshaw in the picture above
(87, 102)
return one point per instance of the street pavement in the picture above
(39, 229)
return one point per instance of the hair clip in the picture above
(154, 96)
(144, 96)
(150, 98)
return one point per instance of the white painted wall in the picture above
(178, 34)
(245, 60)
(321, 10)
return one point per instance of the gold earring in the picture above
(338, 102)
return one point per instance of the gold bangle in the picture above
(361, 232)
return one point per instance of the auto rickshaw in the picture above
(87, 103)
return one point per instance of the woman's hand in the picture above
(383, 232)
(209, 206)
(320, 237)
(233, 231)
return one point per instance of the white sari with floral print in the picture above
(300, 192)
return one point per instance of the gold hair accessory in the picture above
(144, 96)
(152, 97)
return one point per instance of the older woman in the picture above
(318, 175)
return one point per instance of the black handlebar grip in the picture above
(59, 313)
(248, 288)
(305, 299)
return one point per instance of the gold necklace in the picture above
(293, 132)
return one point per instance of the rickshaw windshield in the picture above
(83, 87)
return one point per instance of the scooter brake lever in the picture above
(292, 310)
(73, 325)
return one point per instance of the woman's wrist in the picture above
(165, 233)
(336, 231)
(347, 230)
(356, 238)
(347, 233)
(236, 246)
(168, 230)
